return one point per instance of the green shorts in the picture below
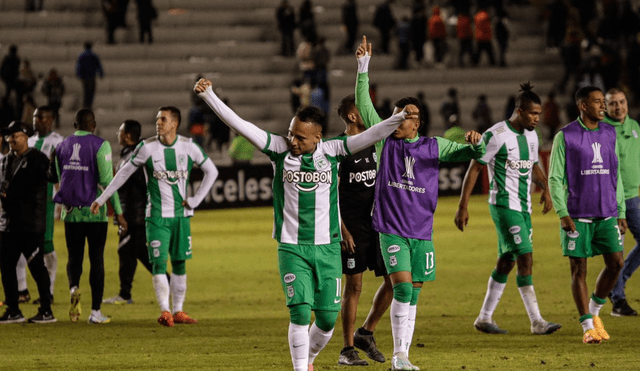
(311, 274)
(402, 254)
(168, 237)
(592, 237)
(514, 232)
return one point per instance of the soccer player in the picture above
(167, 160)
(133, 198)
(587, 193)
(306, 215)
(360, 246)
(45, 140)
(627, 132)
(408, 175)
(83, 167)
(512, 159)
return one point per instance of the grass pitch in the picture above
(234, 292)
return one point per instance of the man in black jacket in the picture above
(23, 193)
(133, 198)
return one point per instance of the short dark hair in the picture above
(345, 105)
(133, 128)
(311, 114)
(48, 110)
(527, 96)
(88, 45)
(405, 101)
(584, 92)
(175, 112)
(83, 118)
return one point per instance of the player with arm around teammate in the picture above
(587, 193)
(306, 216)
(512, 158)
(407, 176)
(167, 160)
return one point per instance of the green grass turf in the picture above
(234, 292)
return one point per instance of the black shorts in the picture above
(367, 253)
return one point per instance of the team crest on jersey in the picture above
(393, 261)
(289, 277)
(182, 159)
(393, 249)
(351, 263)
(320, 163)
(290, 291)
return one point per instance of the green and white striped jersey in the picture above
(305, 192)
(45, 144)
(510, 157)
(167, 169)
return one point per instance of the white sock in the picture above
(299, 346)
(399, 325)
(594, 308)
(161, 287)
(491, 300)
(528, 295)
(411, 325)
(318, 339)
(587, 324)
(178, 291)
(21, 273)
(51, 262)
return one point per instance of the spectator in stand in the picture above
(303, 92)
(450, 106)
(419, 29)
(502, 37)
(558, 12)
(286, 17)
(304, 54)
(404, 43)
(588, 14)
(589, 74)
(438, 35)
(7, 112)
(196, 123)
(10, 71)
(350, 24)
(53, 89)
(571, 50)
(384, 21)
(551, 115)
(425, 116)
(27, 81)
(307, 21)
(111, 15)
(88, 67)
(482, 114)
(295, 97)
(629, 22)
(465, 37)
(146, 14)
(321, 98)
(483, 36)
(219, 132)
(321, 58)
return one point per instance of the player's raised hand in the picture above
(473, 137)
(201, 86)
(363, 48)
(461, 219)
